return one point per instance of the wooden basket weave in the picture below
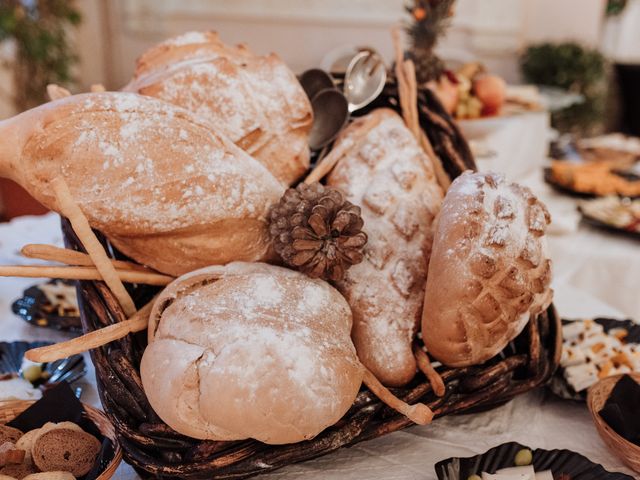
(155, 450)
(598, 394)
(10, 410)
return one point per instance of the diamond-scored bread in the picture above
(489, 271)
(388, 175)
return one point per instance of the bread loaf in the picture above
(164, 187)
(386, 173)
(250, 351)
(489, 271)
(255, 101)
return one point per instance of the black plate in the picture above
(68, 369)
(594, 222)
(576, 466)
(548, 178)
(34, 308)
(559, 385)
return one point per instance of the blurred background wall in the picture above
(114, 32)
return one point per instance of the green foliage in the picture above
(615, 7)
(40, 29)
(574, 68)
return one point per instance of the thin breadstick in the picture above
(332, 158)
(72, 257)
(410, 75)
(95, 339)
(418, 413)
(97, 88)
(424, 364)
(441, 175)
(56, 92)
(83, 273)
(70, 209)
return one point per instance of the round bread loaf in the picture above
(250, 351)
(255, 101)
(65, 449)
(489, 271)
(50, 476)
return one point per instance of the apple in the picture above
(491, 91)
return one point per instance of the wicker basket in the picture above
(598, 394)
(10, 410)
(155, 450)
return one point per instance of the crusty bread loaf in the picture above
(386, 172)
(489, 270)
(9, 434)
(6, 477)
(165, 188)
(65, 449)
(255, 101)
(250, 351)
(10, 454)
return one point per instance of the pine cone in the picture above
(428, 66)
(317, 231)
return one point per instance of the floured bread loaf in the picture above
(250, 351)
(489, 270)
(389, 176)
(255, 101)
(163, 186)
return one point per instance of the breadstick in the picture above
(72, 257)
(424, 364)
(70, 209)
(418, 413)
(332, 158)
(83, 273)
(410, 76)
(97, 88)
(95, 339)
(56, 92)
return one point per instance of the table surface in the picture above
(537, 419)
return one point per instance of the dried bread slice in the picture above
(9, 434)
(18, 471)
(65, 449)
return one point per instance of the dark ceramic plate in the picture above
(609, 227)
(561, 387)
(561, 462)
(68, 369)
(35, 308)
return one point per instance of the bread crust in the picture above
(489, 272)
(250, 351)
(255, 101)
(390, 177)
(163, 186)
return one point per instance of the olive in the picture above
(32, 373)
(523, 457)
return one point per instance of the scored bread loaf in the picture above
(386, 173)
(255, 101)
(250, 350)
(163, 186)
(489, 271)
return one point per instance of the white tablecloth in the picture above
(536, 419)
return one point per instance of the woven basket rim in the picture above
(12, 408)
(597, 395)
